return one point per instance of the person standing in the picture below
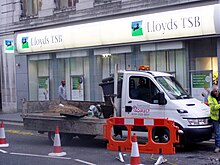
(214, 114)
(205, 95)
(62, 91)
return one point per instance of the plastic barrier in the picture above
(149, 123)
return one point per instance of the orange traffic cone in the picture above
(2, 136)
(135, 157)
(57, 145)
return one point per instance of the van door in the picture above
(142, 99)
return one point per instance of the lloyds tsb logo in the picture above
(25, 43)
(136, 28)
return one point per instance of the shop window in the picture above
(171, 61)
(161, 60)
(208, 63)
(39, 88)
(65, 4)
(31, 7)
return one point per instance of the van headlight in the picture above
(195, 122)
(182, 111)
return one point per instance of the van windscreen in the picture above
(172, 87)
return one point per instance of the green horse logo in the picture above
(9, 44)
(25, 43)
(136, 28)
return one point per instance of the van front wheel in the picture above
(161, 135)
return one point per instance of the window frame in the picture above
(70, 4)
(30, 8)
(150, 97)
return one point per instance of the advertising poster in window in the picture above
(43, 88)
(77, 88)
(201, 83)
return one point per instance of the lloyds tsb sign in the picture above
(174, 24)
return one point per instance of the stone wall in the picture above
(12, 22)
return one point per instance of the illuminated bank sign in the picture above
(163, 26)
(8, 46)
(25, 43)
(172, 24)
(197, 21)
(39, 41)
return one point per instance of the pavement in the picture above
(11, 117)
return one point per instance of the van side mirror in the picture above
(161, 99)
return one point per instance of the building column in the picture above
(136, 56)
(218, 56)
(95, 74)
(22, 90)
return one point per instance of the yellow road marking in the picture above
(19, 132)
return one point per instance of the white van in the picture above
(158, 95)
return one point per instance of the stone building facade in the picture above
(45, 41)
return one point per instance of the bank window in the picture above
(39, 84)
(31, 7)
(171, 61)
(161, 60)
(65, 4)
(208, 63)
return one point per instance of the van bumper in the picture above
(193, 135)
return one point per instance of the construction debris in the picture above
(70, 109)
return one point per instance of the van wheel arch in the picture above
(181, 136)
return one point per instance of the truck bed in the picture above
(36, 116)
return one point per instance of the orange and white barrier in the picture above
(135, 156)
(2, 136)
(57, 150)
(150, 124)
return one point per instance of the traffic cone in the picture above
(135, 157)
(57, 145)
(2, 136)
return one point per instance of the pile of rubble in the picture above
(69, 109)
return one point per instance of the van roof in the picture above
(153, 73)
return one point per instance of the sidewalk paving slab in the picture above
(11, 117)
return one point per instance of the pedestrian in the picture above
(62, 91)
(205, 95)
(214, 114)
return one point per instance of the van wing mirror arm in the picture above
(162, 100)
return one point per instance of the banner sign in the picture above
(43, 88)
(201, 83)
(201, 80)
(77, 88)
